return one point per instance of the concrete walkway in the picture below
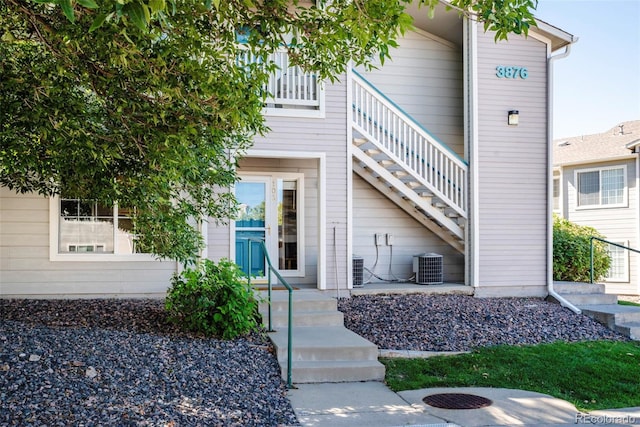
(372, 404)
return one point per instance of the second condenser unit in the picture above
(428, 269)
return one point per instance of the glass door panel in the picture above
(251, 223)
(287, 191)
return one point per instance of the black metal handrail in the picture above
(612, 244)
(286, 284)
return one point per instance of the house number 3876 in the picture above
(511, 72)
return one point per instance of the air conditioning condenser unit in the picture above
(358, 271)
(428, 269)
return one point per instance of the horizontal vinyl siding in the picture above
(218, 240)
(25, 269)
(373, 213)
(616, 224)
(512, 169)
(424, 77)
(328, 135)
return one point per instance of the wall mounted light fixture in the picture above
(513, 118)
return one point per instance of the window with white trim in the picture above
(86, 227)
(556, 194)
(619, 268)
(604, 187)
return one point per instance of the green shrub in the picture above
(572, 252)
(214, 300)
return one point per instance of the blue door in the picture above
(252, 224)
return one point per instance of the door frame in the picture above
(321, 158)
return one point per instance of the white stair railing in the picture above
(406, 142)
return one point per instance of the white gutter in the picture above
(599, 159)
(551, 291)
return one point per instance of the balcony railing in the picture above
(291, 88)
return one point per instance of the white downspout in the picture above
(472, 231)
(551, 291)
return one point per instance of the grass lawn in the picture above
(591, 375)
(635, 304)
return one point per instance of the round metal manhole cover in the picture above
(456, 401)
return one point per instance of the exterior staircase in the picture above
(397, 156)
(323, 350)
(595, 303)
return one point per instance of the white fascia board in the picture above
(557, 37)
(633, 144)
(595, 161)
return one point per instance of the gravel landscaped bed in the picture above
(461, 323)
(117, 362)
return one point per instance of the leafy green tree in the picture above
(147, 102)
(572, 252)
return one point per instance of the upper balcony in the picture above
(292, 91)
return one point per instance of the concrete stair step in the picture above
(334, 371)
(323, 350)
(632, 330)
(591, 299)
(612, 314)
(302, 301)
(572, 288)
(595, 303)
(327, 343)
(280, 319)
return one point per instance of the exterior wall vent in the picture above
(358, 271)
(428, 269)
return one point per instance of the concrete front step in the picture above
(303, 301)
(280, 319)
(585, 293)
(612, 314)
(323, 350)
(632, 330)
(324, 343)
(335, 371)
(591, 299)
(573, 288)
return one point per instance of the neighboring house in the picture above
(595, 183)
(419, 150)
